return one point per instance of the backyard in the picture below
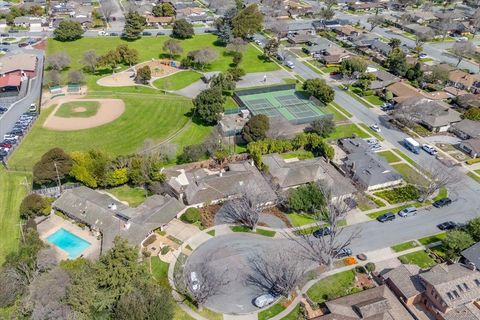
(332, 287)
(419, 258)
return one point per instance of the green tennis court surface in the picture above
(286, 103)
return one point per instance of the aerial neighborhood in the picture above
(240, 159)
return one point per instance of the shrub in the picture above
(165, 250)
(370, 266)
(35, 205)
(192, 215)
(350, 261)
(361, 269)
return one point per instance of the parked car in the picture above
(160, 33)
(290, 64)
(375, 127)
(325, 231)
(423, 55)
(429, 149)
(102, 33)
(22, 45)
(371, 141)
(13, 31)
(342, 253)
(264, 300)
(4, 35)
(389, 216)
(194, 280)
(448, 225)
(146, 33)
(460, 39)
(442, 202)
(387, 106)
(407, 212)
(113, 34)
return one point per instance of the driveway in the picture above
(180, 230)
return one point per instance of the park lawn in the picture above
(332, 287)
(159, 270)
(371, 132)
(419, 258)
(194, 133)
(432, 239)
(389, 156)
(134, 196)
(404, 246)
(271, 312)
(152, 48)
(177, 80)
(11, 196)
(337, 116)
(348, 130)
(155, 118)
(409, 174)
(301, 219)
(67, 110)
(374, 100)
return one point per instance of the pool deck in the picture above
(53, 223)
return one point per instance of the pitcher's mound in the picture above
(109, 110)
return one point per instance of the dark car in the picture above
(22, 45)
(442, 202)
(113, 34)
(4, 34)
(3, 153)
(160, 33)
(386, 217)
(342, 253)
(6, 43)
(146, 33)
(14, 31)
(448, 225)
(322, 232)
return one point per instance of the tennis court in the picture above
(278, 101)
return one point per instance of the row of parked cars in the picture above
(411, 211)
(10, 139)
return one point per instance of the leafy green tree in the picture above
(237, 58)
(323, 126)
(472, 114)
(307, 198)
(134, 25)
(473, 228)
(389, 96)
(236, 73)
(182, 29)
(395, 43)
(415, 73)
(224, 29)
(110, 59)
(144, 74)
(173, 47)
(68, 30)
(163, 10)
(256, 128)
(455, 242)
(116, 177)
(127, 55)
(53, 162)
(353, 65)
(224, 81)
(208, 105)
(397, 62)
(319, 89)
(271, 47)
(248, 21)
(192, 215)
(34, 205)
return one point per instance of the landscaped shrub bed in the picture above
(399, 195)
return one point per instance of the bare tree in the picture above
(46, 259)
(58, 61)
(108, 8)
(330, 3)
(12, 285)
(444, 24)
(326, 13)
(202, 282)
(276, 272)
(204, 56)
(283, 53)
(236, 45)
(324, 249)
(243, 210)
(52, 78)
(375, 21)
(420, 39)
(90, 60)
(438, 178)
(173, 47)
(76, 77)
(475, 21)
(462, 49)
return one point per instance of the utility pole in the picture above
(20, 225)
(58, 178)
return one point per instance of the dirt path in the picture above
(109, 110)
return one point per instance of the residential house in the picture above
(363, 40)
(365, 168)
(382, 80)
(449, 292)
(453, 28)
(200, 186)
(381, 47)
(112, 218)
(461, 79)
(375, 303)
(318, 47)
(419, 30)
(346, 31)
(300, 37)
(366, 6)
(471, 146)
(305, 26)
(466, 129)
(32, 23)
(292, 173)
(329, 24)
(436, 116)
(471, 255)
(298, 8)
(334, 55)
(153, 21)
(402, 91)
(422, 17)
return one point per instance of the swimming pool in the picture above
(68, 242)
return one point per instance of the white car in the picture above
(264, 300)
(290, 64)
(194, 280)
(429, 149)
(102, 33)
(423, 55)
(460, 39)
(375, 127)
(33, 107)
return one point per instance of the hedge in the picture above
(192, 215)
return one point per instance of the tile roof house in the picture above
(436, 116)
(112, 218)
(402, 91)
(334, 55)
(471, 146)
(461, 79)
(365, 168)
(292, 173)
(449, 292)
(201, 186)
(466, 129)
(158, 21)
(376, 303)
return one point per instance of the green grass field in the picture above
(134, 196)
(177, 80)
(347, 130)
(389, 156)
(300, 219)
(72, 109)
(11, 195)
(154, 118)
(404, 246)
(375, 100)
(432, 239)
(420, 258)
(409, 174)
(332, 287)
(337, 116)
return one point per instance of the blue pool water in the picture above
(68, 242)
